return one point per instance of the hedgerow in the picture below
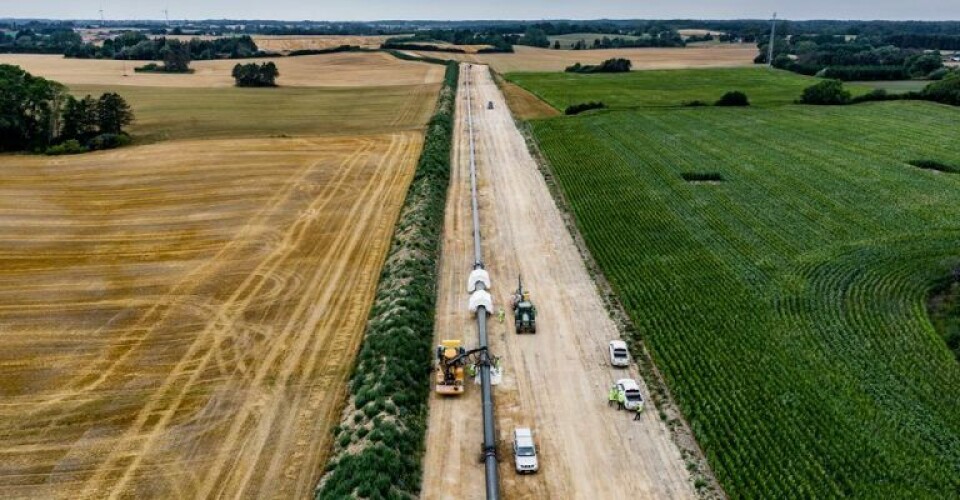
(576, 109)
(379, 444)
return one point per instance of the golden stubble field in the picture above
(537, 59)
(179, 318)
(345, 69)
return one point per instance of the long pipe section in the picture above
(486, 390)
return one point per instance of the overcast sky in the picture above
(339, 10)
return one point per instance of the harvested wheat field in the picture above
(183, 327)
(180, 317)
(289, 43)
(346, 69)
(537, 59)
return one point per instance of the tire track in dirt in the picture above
(194, 363)
(230, 384)
(158, 314)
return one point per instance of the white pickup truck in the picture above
(631, 391)
(619, 355)
(524, 451)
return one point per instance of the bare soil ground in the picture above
(179, 320)
(348, 69)
(523, 104)
(555, 381)
(537, 59)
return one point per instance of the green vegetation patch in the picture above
(944, 309)
(670, 88)
(787, 310)
(380, 442)
(935, 165)
(702, 176)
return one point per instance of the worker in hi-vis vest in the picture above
(621, 400)
(612, 397)
(639, 412)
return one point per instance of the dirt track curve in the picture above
(555, 381)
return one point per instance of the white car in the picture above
(619, 356)
(629, 388)
(524, 451)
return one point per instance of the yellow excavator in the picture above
(450, 361)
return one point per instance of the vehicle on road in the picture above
(524, 312)
(633, 398)
(524, 451)
(619, 356)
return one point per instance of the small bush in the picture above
(935, 165)
(71, 147)
(702, 176)
(109, 141)
(946, 91)
(616, 65)
(734, 98)
(938, 74)
(576, 109)
(827, 92)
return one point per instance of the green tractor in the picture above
(524, 312)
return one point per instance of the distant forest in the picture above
(133, 40)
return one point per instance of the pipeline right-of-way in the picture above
(481, 303)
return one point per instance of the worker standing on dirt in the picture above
(500, 314)
(639, 412)
(621, 401)
(612, 396)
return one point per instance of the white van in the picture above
(629, 388)
(618, 353)
(524, 451)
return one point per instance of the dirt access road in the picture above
(555, 381)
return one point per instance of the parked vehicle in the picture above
(631, 392)
(619, 356)
(524, 451)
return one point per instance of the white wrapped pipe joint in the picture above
(476, 277)
(481, 298)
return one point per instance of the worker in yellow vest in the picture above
(639, 412)
(613, 396)
(621, 400)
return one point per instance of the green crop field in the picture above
(786, 304)
(667, 88)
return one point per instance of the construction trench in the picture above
(481, 304)
(554, 382)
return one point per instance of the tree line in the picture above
(40, 115)
(616, 65)
(497, 42)
(854, 59)
(832, 92)
(42, 40)
(135, 46)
